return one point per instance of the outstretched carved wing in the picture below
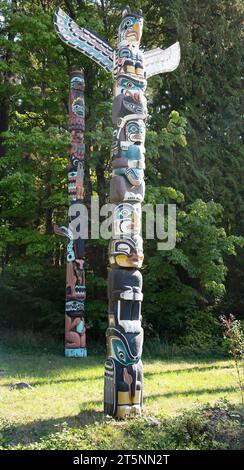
(63, 231)
(162, 60)
(83, 40)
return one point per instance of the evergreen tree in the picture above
(193, 148)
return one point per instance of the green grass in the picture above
(64, 408)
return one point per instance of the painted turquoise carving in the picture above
(77, 352)
(121, 354)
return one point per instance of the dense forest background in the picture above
(194, 159)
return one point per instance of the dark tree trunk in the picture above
(4, 122)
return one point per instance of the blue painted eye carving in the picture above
(132, 128)
(121, 353)
(127, 84)
(131, 85)
(77, 81)
(125, 52)
(78, 109)
(128, 23)
(72, 174)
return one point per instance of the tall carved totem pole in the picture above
(75, 333)
(131, 67)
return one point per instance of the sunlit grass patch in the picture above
(64, 408)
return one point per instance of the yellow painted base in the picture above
(131, 411)
(129, 407)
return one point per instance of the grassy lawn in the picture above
(64, 407)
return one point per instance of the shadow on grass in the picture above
(185, 393)
(147, 375)
(58, 381)
(25, 434)
(45, 365)
(187, 369)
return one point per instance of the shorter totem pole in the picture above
(75, 332)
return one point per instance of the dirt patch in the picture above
(225, 426)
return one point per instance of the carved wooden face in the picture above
(126, 252)
(120, 351)
(126, 219)
(125, 349)
(130, 30)
(135, 131)
(77, 82)
(130, 86)
(78, 107)
(123, 105)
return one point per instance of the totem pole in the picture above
(75, 334)
(130, 68)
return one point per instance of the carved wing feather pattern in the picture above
(162, 60)
(83, 40)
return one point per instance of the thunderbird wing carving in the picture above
(83, 40)
(63, 231)
(162, 60)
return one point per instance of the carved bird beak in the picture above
(136, 29)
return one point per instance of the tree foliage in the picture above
(194, 159)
